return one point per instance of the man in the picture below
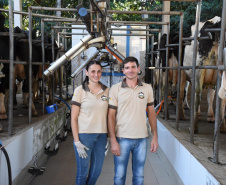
(128, 101)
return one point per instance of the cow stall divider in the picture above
(11, 62)
(194, 67)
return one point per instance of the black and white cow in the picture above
(4, 55)
(207, 55)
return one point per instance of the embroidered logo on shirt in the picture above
(141, 95)
(104, 98)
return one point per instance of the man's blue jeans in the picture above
(89, 169)
(138, 148)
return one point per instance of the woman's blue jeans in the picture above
(138, 148)
(89, 168)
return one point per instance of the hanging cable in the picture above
(8, 162)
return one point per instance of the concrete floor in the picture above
(61, 169)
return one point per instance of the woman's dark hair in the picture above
(87, 68)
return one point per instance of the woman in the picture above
(89, 125)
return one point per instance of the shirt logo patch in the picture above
(141, 95)
(104, 98)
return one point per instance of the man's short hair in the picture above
(130, 59)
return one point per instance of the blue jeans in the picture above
(138, 148)
(89, 168)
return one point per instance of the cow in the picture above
(4, 55)
(172, 62)
(207, 55)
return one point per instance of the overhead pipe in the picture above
(67, 55)
(84, 64)
(115, 53)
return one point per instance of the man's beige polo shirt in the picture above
(93, 109)
(131, 107)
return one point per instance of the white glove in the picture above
(107, 146)
(81, 149)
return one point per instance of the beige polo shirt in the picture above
(131, 107)
(93, 109)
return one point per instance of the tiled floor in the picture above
(61, 169)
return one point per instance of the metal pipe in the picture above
(30, 66)
(135, 29)
(152, 58)
(62, 27)
(60, 33)
(53, 9)
(43, 66)
(213, 29)
(61, 20)
(53, 59)
(115, 52)
(166, 73)
(218, 101)
(221, 67)
(67, 55)
(33, 14)
(132, 35)
(179, 72)
(144, 12)
(84, 64)
(137, 22)
(11, 55)
(193, 80)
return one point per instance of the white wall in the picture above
(24, 146)
(190, 170)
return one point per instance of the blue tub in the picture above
(51, 108)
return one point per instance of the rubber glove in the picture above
(81, 149)
(107, 146)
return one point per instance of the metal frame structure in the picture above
(179, 68)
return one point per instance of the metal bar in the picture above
(144, 12)
(34, 14)
(30, 66)
(67, 55)
(190, 67)
(218, 101)
(43, 66)
(193, 80)
(62, 27)
(192, 38)
(11, 55)
(84, 64)
(61, 33)
(137, 22)
(166, 73)
(213, 29)
(152, 58)
(172, 45)
(132, 35)
(135, 29)
(61, 20)
(53, 59)
(179, 72)
(154, 52)
(54, 9)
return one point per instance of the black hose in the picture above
(8, 164)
